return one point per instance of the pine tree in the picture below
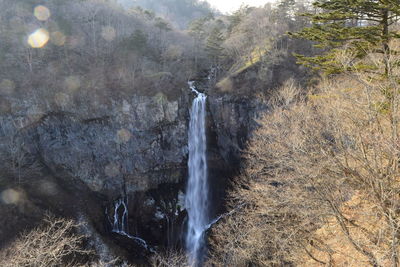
(358, 26)
(285, 6)
(136, 42)
(214, 45)
(197, 31)
(285, 13)
(237, 17)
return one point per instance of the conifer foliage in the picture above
(358, 26)
(214, 45)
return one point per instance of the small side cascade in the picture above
(119, 223)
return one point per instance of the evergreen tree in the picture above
(214, 45)
(197, 31)
(136, 42)
(358, 26)
(285, 7)
(162, 25)
(285, 13)
(237, 17)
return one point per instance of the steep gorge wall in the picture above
(136, 150)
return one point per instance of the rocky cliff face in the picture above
(234, 118)
(140, 144)
(135, 149)
(131, 151)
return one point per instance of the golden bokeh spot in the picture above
(72, 83)
(10, 196)
(7, 87)
(62, 99)
(173, 52)
(38, 38)
(34, 113)
(112, 170)
(108, 33)
(41, 13)
(5, 106)
(75, 41)
(58, 38)
(96, 185)
(48, 188)
(124, 136)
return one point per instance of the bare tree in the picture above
(169, 259)
(48, 245)
(320, 182)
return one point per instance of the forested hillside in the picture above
(179, 12)
(319, 186)
(83, 49)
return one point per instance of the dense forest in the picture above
(289, 112)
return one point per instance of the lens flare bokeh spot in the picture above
(112, 170)
(61, 99)
(58, 38)
(72, 83)
(10, 196)
(38, 38)
(108, 33)
(124, 136)
(7, 87)
(42, 13)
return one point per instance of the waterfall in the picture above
(197, 188)
(119, 223)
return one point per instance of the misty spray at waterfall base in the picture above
(197, 193)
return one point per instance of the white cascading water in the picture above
(120, 223)
(197, 188)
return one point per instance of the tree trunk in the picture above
(386, 39)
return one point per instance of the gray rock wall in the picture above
(134, 148)
(140, 144)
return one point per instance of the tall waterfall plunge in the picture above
(197, 188)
